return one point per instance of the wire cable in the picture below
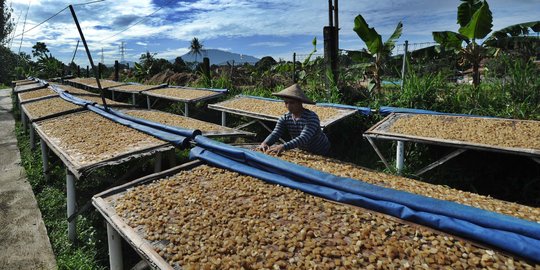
(91, 2)
(56, 14)
(139, 21)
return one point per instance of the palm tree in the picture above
(195, 47)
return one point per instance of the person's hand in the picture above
(263, 147)
(277, 149)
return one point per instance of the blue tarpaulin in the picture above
(363, 110)
(512, 234)
(220, 90)
(168, 136)
(386, 110)
(189, 133)
(177, 140)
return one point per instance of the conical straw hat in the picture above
(295, 92)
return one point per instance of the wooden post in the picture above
(294, 67)
(116, 69)
(78, 71)
(206, 67)
(330, 52)
(404, 65)
(87, 72)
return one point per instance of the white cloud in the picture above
(178, 22)
(269, 44)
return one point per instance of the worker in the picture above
(302, 125)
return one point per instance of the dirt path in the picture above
(24, 243)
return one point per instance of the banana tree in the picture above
(375, 47)
(475, 20)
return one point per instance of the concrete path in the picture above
(24, 243)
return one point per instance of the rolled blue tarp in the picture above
(508, 233)
(262, 98)
(386, 110)
(73, 99)
(221, 90)
(362, 110)
(189, 133)
(176, 136)
(177, 140)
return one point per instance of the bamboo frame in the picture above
(213, 96)
(28, 87)
(344, 113)
(219, 132)
(104, 201)
(80, 170)
(379, 131)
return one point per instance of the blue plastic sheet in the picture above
(220, 90)
(177, 140)
(262, 98)
(508, 233)
(386, 110)
(362, 110)
(189, 133)
(176, 136)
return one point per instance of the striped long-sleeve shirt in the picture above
(305, 132)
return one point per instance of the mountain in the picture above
(219, 57)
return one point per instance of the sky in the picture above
(276, 28)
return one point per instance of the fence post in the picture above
(294, 67)
(330, 54)
(404, 66)
(78, 71)
(116, 68)
(87, 72)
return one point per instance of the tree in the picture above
(39, 50)
(375, 47)
(196, 48)
(179, 65)
(265, 63)
(6, 22)
(475, 20)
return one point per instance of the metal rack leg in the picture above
(45, 160)
(224, 119)
(148, 102)
(115, 248)
(186, 109)
(378, 152)
(400, 156)
(71, 205)
(32, 138)
(157, 162)
(134, 99)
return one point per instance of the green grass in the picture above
(89, 251)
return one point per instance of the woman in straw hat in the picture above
(302, 125)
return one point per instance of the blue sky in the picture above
(253, 27)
